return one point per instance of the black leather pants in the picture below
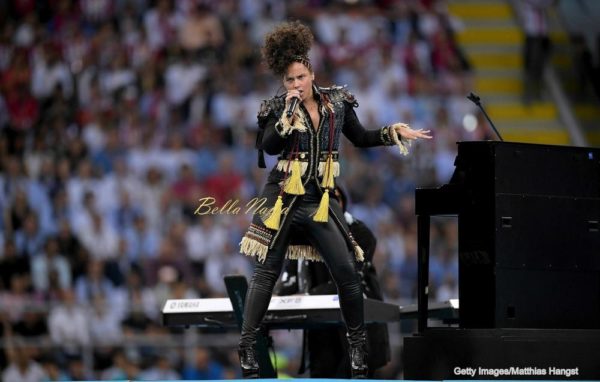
(329, 241)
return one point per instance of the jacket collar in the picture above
(316, 92)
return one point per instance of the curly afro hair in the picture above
(287, 43)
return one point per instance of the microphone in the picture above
(292, 108)
(474, 98)
(477, 101)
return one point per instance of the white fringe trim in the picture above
(336, 168)
(303, 252)
(299, 123)
(284, 166)
(402, 145)
(359, 253)
(251, 247)
(306, 252)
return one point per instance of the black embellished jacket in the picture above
(311, 147)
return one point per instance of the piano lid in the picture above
(484, 169)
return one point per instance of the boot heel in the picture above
(250, 374)
(357, 339)
(358, 362)
(248, 363)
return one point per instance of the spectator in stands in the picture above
(17, 212)
(52, 370)
(168, 265)
(77, 370)
(160, 371)
(105, 330)
(50, 72)
(22, 367)
(94, 283)
(226, 184)
(201, 32)
(16, 299)
(104, 323)
(533, 14)
(140, 298)
(99, 238)
(160, 24)
(225, 262)
(142, 242)
(68, 325)
(23, 110)
(50, 265)
(121, 368)
(32, 324)
(151, 196)
(30, 239)
(70, 247)
(11, 264)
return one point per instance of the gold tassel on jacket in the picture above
(322, 214)
(294, 185)
(328, 175)
(273, 221)
(358, 253)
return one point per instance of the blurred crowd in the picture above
(119, 120)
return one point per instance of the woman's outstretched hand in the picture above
(406, 132)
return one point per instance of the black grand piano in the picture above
(529, 258)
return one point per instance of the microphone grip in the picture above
(292, 107)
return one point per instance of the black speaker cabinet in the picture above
(529, 236)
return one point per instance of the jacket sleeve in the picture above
(361, 137)
(273, 140)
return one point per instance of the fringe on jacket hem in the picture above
(251, 247)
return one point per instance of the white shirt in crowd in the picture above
(68, 326)
(33, 373)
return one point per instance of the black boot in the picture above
(358, 362)
(248, 362)
(358, 354)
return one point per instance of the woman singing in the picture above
(303, 222)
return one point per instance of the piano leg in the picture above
(423, 270)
